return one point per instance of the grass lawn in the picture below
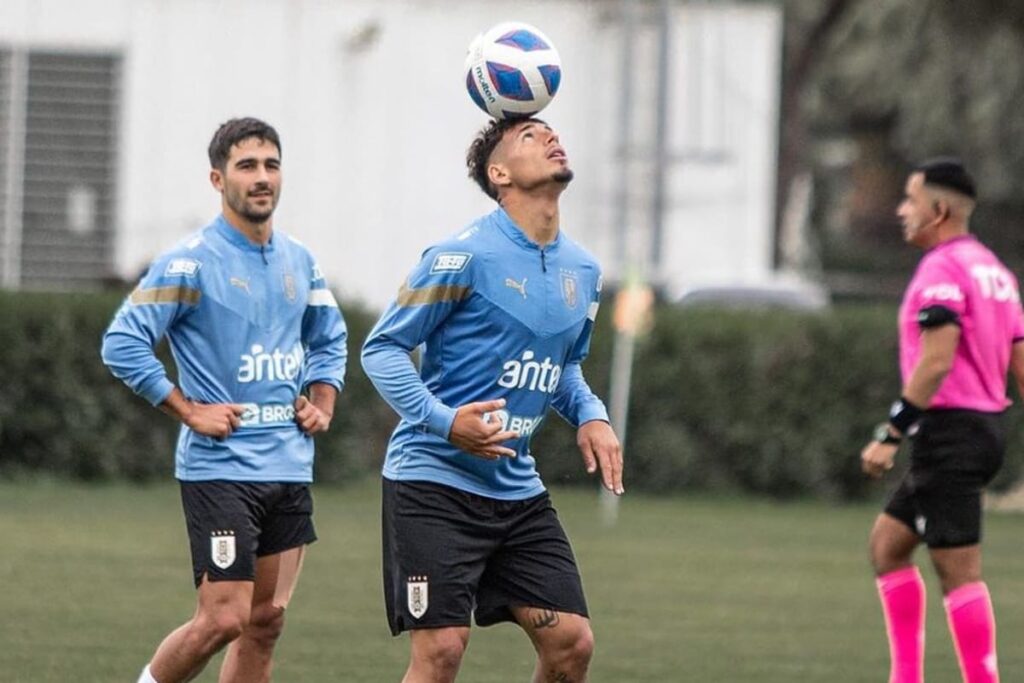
(686, 589)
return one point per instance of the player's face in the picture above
(917, 212)
(251, 180)
(534, 156)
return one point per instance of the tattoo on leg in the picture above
(543, 618)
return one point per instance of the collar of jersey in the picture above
(516, 234)
(235, 236)
(954, 240)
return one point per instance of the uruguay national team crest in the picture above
(289, 287)
(416, 592)
(222, 548)
(569, 288)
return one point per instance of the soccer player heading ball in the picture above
(504, 312)
(961, 330)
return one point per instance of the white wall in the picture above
(368, 97)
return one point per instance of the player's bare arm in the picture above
(601, 450)
(313, 414)
(475, 433)
(217, 420)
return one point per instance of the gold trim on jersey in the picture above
(166, 295)
(432, 295)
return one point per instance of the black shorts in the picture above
(449, 554)
(230, 524)
(954, 454)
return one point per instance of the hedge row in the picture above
(774, 403)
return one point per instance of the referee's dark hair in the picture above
(480, 150)
(949, 173)
(234, 131)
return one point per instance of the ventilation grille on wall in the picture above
(58, 150)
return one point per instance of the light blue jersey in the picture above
(498, 317)
(246, 324)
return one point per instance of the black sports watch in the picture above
(883, 435)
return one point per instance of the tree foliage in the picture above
(948, 75)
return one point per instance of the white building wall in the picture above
(369, 99)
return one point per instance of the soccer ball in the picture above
(512, 70)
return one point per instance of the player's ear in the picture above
(498, 175)
(217, 179)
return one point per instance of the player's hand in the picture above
(475, 433)
(218, 420)
(877, 458)
(600, 448)
(310, 418)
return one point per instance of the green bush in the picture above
(774, 403)
(62, 412)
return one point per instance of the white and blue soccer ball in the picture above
(512, 70)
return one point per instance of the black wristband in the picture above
(903, 414)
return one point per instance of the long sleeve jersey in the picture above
(497, 316)
(246, 324)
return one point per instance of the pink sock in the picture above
(902, 594)
(973, 625)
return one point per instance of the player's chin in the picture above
(258, 215)
(563, 175)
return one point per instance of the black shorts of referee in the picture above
(954, 455)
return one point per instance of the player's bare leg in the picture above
(249, 658)
(436, 654)
(564, 644)
(222, 613)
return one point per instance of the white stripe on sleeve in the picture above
(322, 297)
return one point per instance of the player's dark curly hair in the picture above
(234, 131)
(480, 150)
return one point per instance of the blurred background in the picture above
(742, 157)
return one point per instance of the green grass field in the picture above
(680, 590)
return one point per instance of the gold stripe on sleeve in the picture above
(166, 295)
(432, 295)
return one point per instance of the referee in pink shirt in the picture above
(960, 328)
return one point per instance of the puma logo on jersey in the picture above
(527, 373)
(240, 283)
(518, 286)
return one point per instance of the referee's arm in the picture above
(938, 349)
(1017, 365)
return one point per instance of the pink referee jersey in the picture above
(962, 275)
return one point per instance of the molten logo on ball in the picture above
(512, 71)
